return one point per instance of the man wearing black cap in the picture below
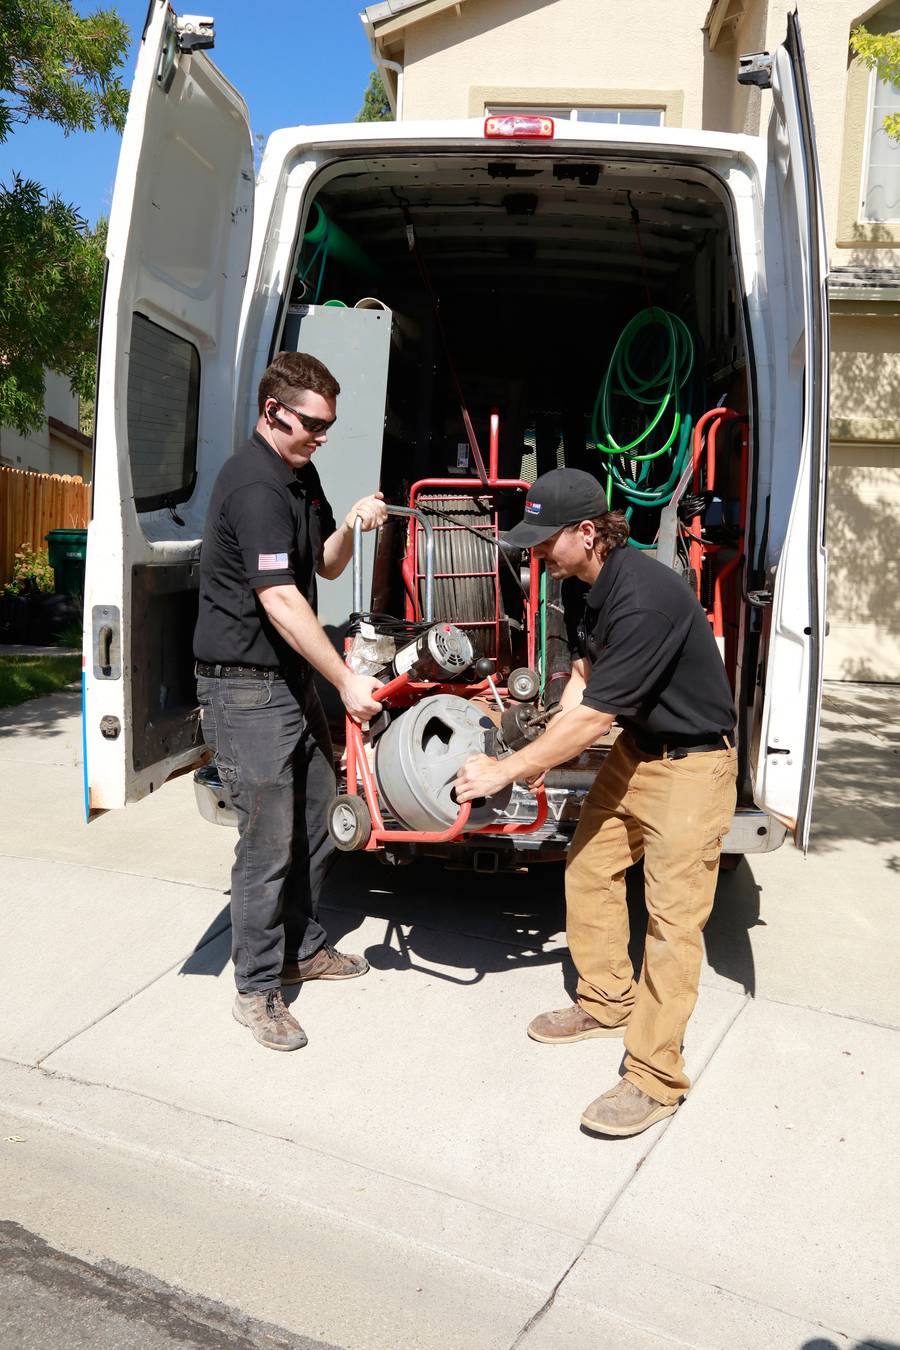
(643, 656)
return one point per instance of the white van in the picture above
(540, 242)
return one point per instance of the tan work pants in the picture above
(672, 813)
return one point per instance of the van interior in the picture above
(594, 304)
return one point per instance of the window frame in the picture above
(569, 112)
(669, 102)
(891, 221)
(160, 500)
(852, 231)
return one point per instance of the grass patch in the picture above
(25, 677)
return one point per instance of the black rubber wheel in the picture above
(349, 823)
(523, 684)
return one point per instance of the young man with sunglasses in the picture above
(644, 656)
(269, 534)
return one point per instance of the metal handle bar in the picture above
(427, 526)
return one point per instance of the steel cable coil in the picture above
(459, 596)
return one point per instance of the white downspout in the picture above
(396, 66)
(382, 63)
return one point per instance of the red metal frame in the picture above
(403, 692)
(462, 487)
(358, 768)
(711, 423)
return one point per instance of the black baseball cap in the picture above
(560, 497)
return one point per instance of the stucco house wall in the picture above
(457, 58)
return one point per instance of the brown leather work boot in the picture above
(625, 1110)
(325, 964)
(269, 1020)
(569, 1024)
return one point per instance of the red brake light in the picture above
(518, 126)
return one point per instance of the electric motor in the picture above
(442, 652)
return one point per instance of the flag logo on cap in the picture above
(532, 508)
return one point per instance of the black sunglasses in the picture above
(314, 425)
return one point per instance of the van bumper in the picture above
(752, 831)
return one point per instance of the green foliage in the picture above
(70, 636)
(49, 299)
(56, 65)
(31, 572)
(376, 107)
(24, 677)
(880, 52)
(61, 67)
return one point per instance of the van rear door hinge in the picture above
(196, 32)
(756, 68)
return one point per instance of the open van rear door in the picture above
(786, 732)
(177, 250)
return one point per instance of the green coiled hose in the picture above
(636, 467)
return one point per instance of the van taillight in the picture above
(518, 125)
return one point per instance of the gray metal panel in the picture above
(355, 346)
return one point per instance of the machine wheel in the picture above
(349, 823)
(523, 684)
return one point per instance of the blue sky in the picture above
(294, 61)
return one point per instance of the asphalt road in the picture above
(50, 1298)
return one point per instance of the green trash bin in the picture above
(67, 550)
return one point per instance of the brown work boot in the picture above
(325, 964)
(569, 1024)
(269, 1020)
(625, 1110)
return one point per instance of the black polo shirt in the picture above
(654, 661)
(266, 525)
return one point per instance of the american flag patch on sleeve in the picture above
(272, 562)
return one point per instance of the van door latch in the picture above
(106, 642)
(756, 68)
(759, 599)
(196, 32)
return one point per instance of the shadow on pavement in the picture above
(857, 795)
(41, 716)
(435, 916)
(208, 956)
(822, 1343)
(481, 925)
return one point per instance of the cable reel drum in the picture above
(419, 755)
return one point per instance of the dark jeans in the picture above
(273, 752)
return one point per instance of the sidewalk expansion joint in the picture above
(101, 1017)
(590, 1240)
(803, 1319)
(241, 1179)
(112, 871)
(828, 1012)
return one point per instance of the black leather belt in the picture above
(219, 672)
(678, 750)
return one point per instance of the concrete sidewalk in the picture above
(416, 1177)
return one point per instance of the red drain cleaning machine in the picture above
(451, 688)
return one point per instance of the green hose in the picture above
(645, 469)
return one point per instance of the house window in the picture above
(163, 409)
(881, 166)
(632, 117)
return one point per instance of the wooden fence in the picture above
(33, 504)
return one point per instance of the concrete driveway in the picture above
(416, 1177)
